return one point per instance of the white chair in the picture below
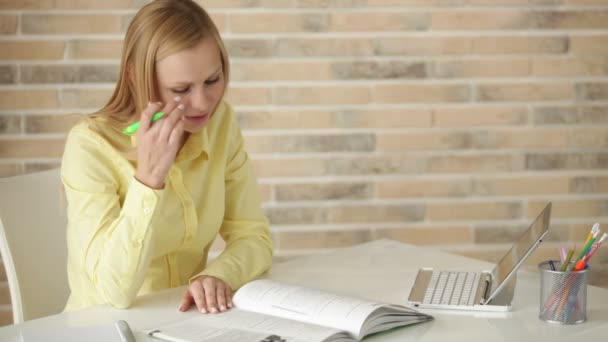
(33, 243)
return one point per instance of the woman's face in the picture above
(196, 76)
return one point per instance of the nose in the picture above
(199, 99)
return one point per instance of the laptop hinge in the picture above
(487, 287)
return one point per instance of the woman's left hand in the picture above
(210, 294)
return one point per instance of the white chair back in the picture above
(33, 243)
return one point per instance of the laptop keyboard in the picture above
(452, 288)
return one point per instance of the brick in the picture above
(593, 114)
(383, 118)
(8, 74)
(427, 235)
(297, 215)
(556, 116)
(519, 45)
(38, 167)
(321, 95)
(479, 68)
(323, 191)
(578, 67)
(31, 50)
(289, 167)
(423, 188)
(377, 213)
(94, 49)
(209, 4)
(28, 99)
(378, 70)
(10, 124)
(481, 20)
(26, 4)
(415, 3)
(44, 74)
(31, 148)
(512, 2)
(450, 140)
(592, 91)
(97, 5)
(324, 47)
(566, 161)
(378, 21)
(521, 185)
(588, 184)
(85, 98)
(322, 239)
(526, 92)
(585, 2)
(474, 163)
(422, 46)
(588, 137)
(280, 71)
(471, 211)
(8, 24)
(480, 116)
(521, 139)
(50, 123)
(421, 93)
(71, 23)
(251, 23)
(220, 20)
(384, 165)
(587, 45)
(572, 19)
(310, 143)
(8, 170)
(6, 317)
(246, 96)
(265, 192)
(250, 47)
(570, 208)
(286, 119)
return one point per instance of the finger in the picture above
(177, 133)
(186, 301)
(229, 297)
(167, 109)
(220, 290)
(198, 293)
(174, 118)
(145, 120)
(209, 286)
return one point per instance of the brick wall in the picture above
(446, 123)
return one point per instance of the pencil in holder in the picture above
(563, 295)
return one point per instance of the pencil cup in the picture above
(563, 295)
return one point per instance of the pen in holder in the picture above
(563, 295)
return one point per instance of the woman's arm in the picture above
(108, 240)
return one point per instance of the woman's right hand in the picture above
(159, 142)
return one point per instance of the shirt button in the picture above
(136, 243)
(147, 210)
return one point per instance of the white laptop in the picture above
(480, 291)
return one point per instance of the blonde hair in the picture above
(159, 29)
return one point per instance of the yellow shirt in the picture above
(126, 239)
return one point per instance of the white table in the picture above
(382, 270)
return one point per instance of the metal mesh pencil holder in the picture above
(563, 295)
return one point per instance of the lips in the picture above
(198, 118)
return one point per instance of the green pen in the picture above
(134, 127)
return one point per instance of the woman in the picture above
(143, 210)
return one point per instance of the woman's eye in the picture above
(180, 91)
(212, 81)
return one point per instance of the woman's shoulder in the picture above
(96, 130)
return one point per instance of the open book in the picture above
(269, 311)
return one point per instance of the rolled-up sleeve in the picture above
(112, 238)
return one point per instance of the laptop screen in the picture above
(522, 247)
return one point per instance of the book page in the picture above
(305, 305)
(237, 325)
